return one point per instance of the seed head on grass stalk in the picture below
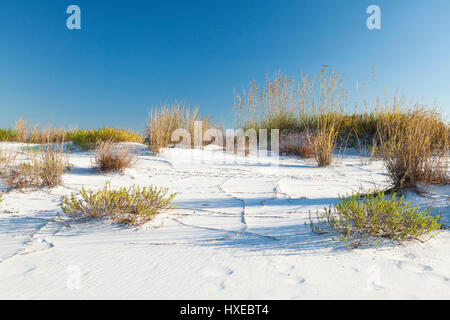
(165, 119)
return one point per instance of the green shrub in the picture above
(7, 135)
(131, 206)
(365, 219)
(87, 139)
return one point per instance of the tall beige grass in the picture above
(49, 134)
(165, 119)
(22, 128)
(27, 132)
(312, 104)
(415, 149)
(323, 141)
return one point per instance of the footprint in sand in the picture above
(220, 273)
(294, 280)
(421, 269)
(38, 244)
(216, 271)
(289, 275)
(412, 267)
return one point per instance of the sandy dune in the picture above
(238, 232)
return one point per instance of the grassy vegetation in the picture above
(289, 104)
(26, 132)
(413, 142)
(365, 219)
(304, 106)
(44, 168)
(415, 149)
(7, 158)
(110, 157)
(7, 135)
(88, 139)
(165, 119)
(131, 206)
(323, 140)
(314, 105)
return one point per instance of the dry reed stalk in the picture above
(165, 119)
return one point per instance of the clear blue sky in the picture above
(130, 55)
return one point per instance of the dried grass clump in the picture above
(306, 150)
(297, 144)
(165, 119)
(111, 157)
(415, 149)
(7, 158)
(44, 168)
(131, 206)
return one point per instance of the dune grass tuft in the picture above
(323, 140)
(415, 149)
(110, 157)
(44, 168)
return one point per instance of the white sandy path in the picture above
(238, 233)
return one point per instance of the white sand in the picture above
(238, 233)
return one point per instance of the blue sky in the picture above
(130, 55)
